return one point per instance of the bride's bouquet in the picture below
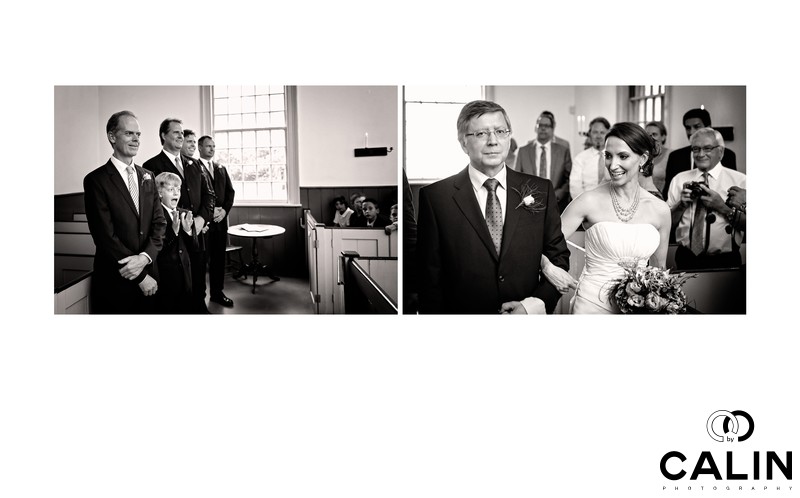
(646, 289)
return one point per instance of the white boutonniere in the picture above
(191, 162)
(146, 177)
(530, 198)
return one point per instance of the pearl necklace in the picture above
(624, 214)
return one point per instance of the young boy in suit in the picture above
(175, 286)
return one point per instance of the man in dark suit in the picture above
(197, 196)
(218, 228)
(547, 158)
(127, 225)
(682, 159)
(481, 233)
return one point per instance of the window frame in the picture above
(636, 95)
(292, 167)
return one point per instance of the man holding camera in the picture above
(699, 209)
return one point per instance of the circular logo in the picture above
(730, 425)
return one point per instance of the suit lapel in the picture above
(116, 180)
(513, 182)
(464, 198)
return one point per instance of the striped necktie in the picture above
(179, 165)
(543, 163)
(133, 187)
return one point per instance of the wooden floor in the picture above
(286, 296)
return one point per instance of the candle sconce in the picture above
(373, 151)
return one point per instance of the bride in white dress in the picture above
(625, 224)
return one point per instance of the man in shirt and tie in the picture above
(699, 209)
(218, 227)
(589, 167)
(547, 158)
(127, 224)
(481, 233)
(197, 196)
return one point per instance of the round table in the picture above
(255, 232)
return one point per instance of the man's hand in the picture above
(737, 196)
(149, 286)
(686, 196)
(559, 277)
(133, 266)
(199, 223)
(513, 308)
(712, 200)
(219, 214)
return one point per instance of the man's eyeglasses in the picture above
(706, 150)
(484, 134)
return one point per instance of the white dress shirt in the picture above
(720, 179)
(481, 194)
(584, 175)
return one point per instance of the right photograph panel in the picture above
(574, 199)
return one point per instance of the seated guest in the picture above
(392, 226)
(343, 213)
(589, 166)
(658, 131)
(174, 268)
(701, 215)
(358, 213)
(682, 159)
(372, 217)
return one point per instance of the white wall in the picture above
(332, 121)
(81, 114)
(727, 106)
(524, 104)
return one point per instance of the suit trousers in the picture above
(217, 242)
(198, 260)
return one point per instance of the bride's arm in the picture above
(659, 258)
(571, 219)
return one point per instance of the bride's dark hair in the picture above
(639, 141)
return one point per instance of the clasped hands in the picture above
(133, 266)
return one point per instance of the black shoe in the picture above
(223, 300)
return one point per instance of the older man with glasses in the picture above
(481, 232)
(706, 231)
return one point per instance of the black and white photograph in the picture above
(244, 199)
(587, 194)
(281, 232)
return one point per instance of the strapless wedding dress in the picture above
(607, 245)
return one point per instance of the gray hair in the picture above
(709, 131)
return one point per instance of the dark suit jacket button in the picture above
(502, 278)
(180, 251)
(141, 233)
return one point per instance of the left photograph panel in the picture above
(226, 199)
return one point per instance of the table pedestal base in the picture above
(256, 269)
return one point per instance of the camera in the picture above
(696, 190)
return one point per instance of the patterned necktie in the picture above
(699, 223)
(494, 213)
(543, 163)
(179, 165)
(133, 187)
